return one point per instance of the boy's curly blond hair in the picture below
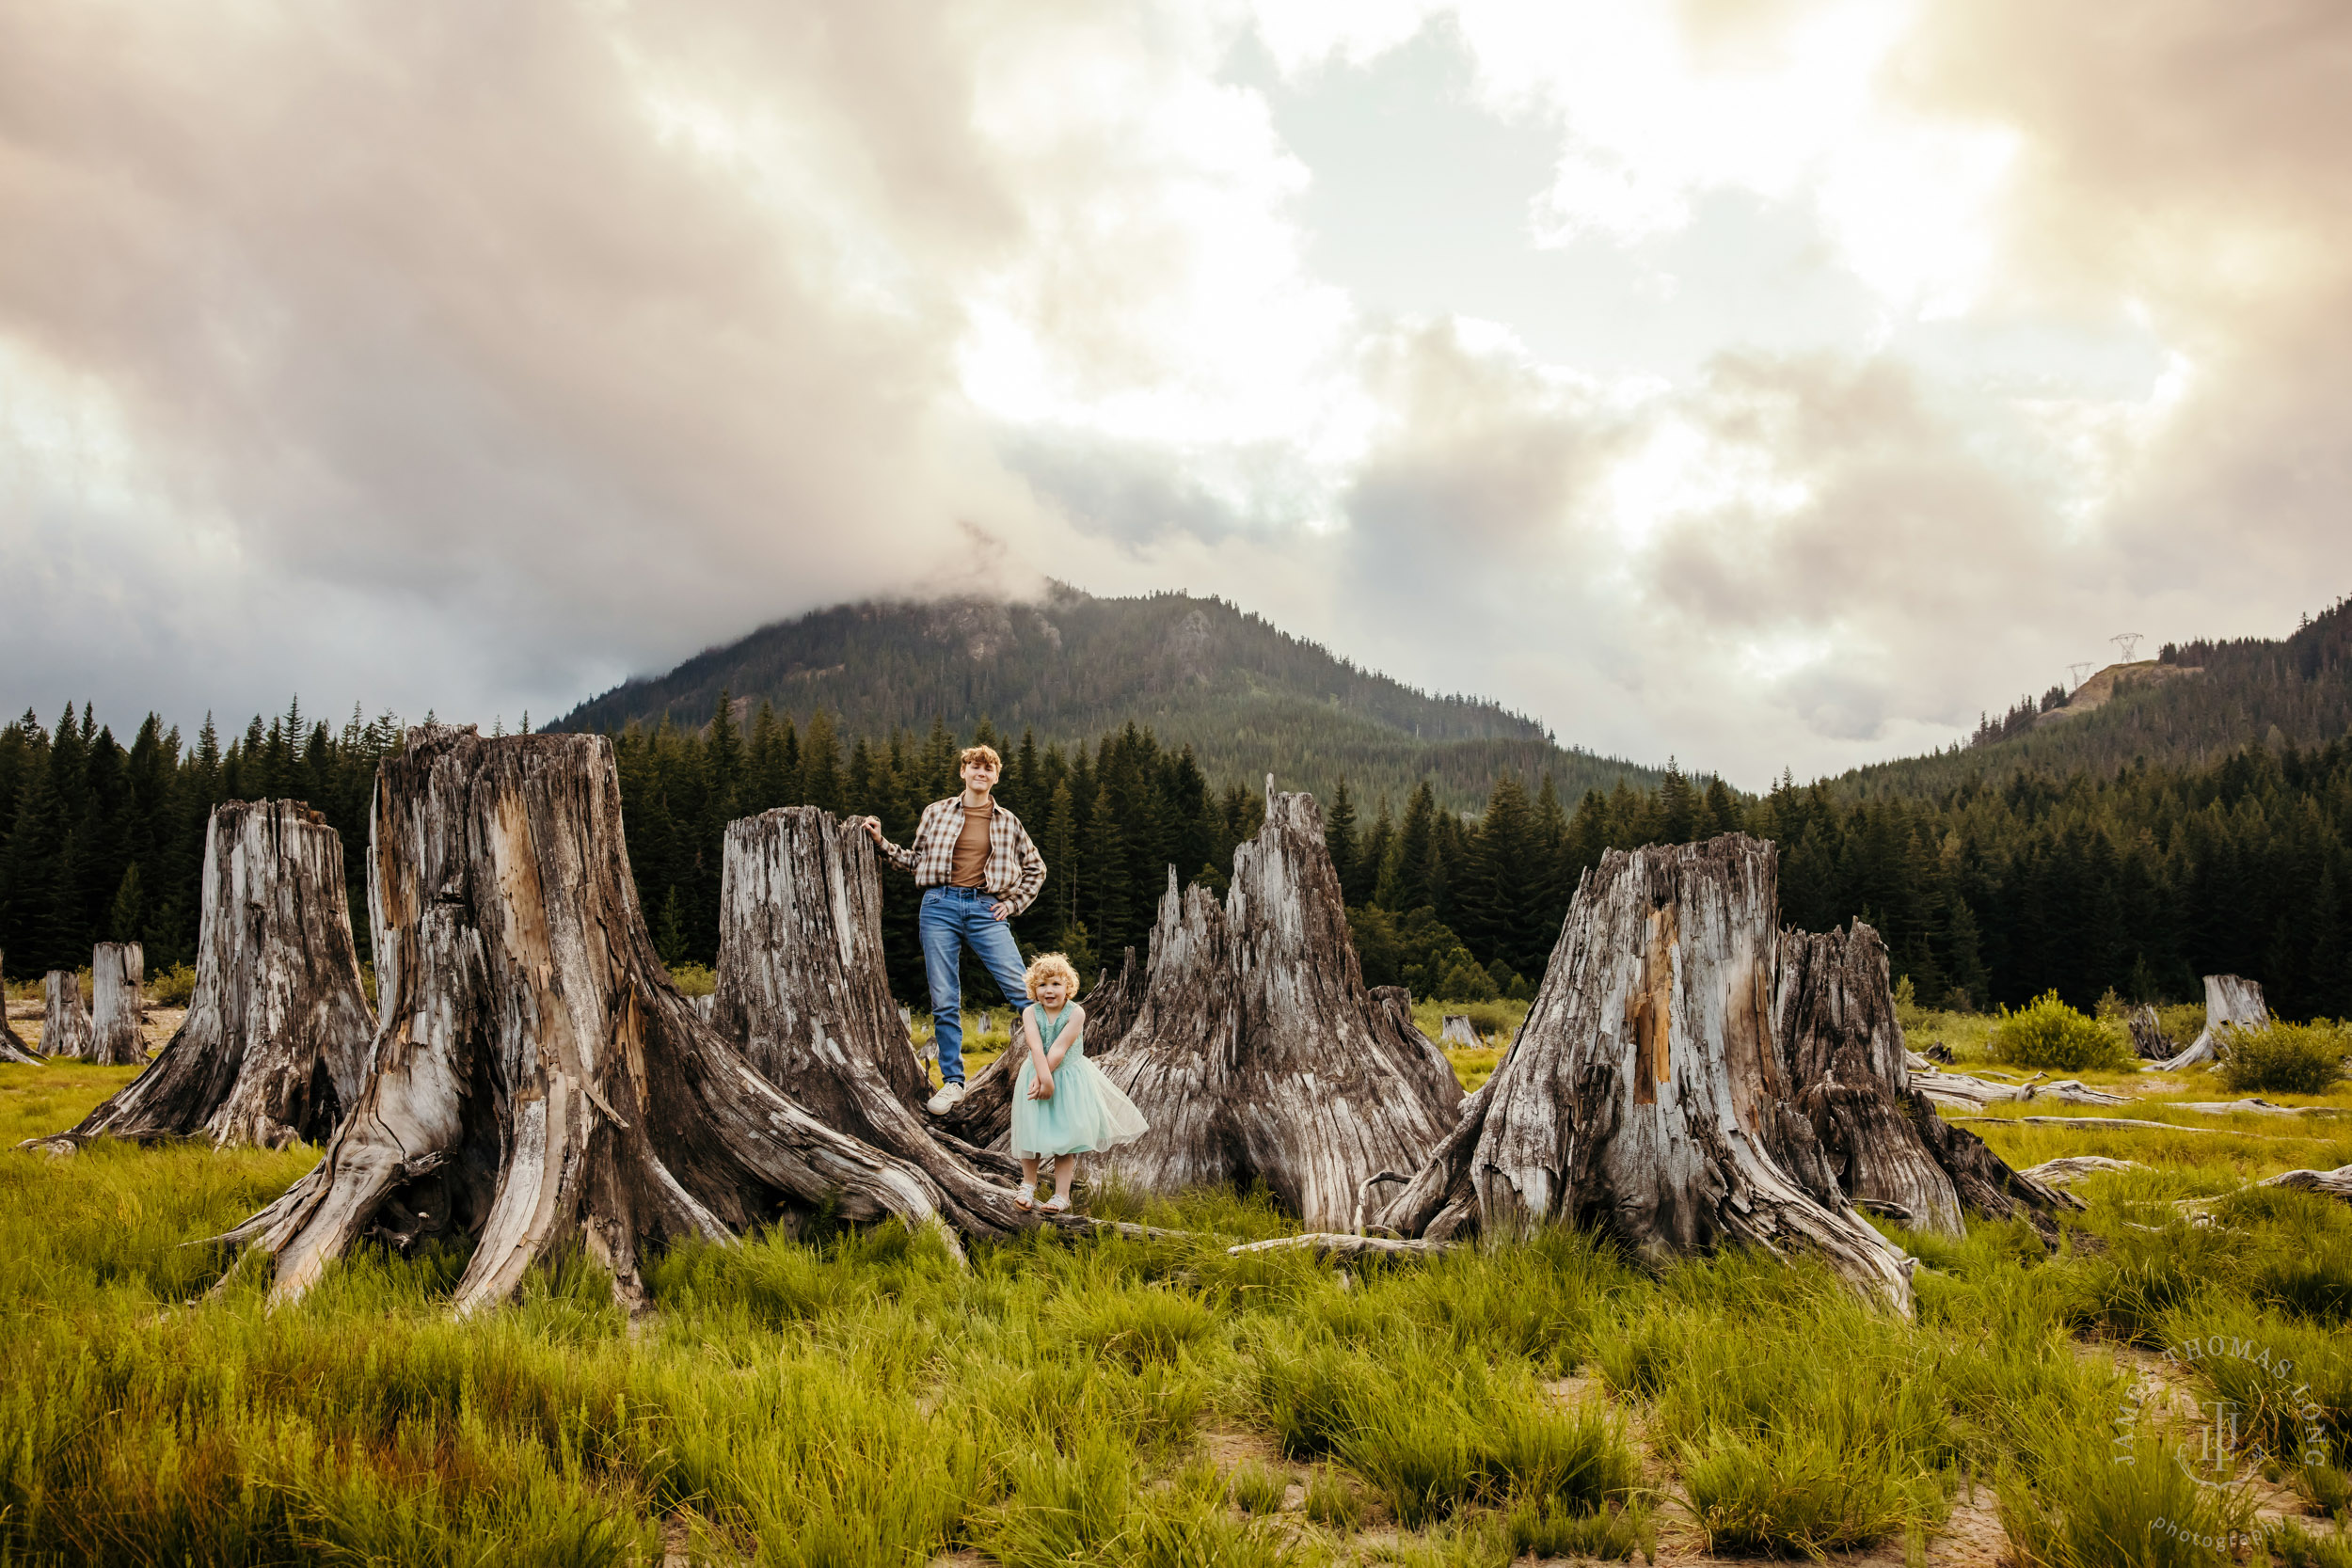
(1046, 966)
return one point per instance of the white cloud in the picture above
(553, 343)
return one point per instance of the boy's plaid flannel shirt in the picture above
(1014, 871)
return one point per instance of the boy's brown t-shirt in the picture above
(972, 847)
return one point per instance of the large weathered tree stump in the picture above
(275, 1044)
(983, 1118)
(65, 1025)
(804, 991)
(12, 1046)
(1257, 1052)
(1640, 1093)
(2232, 1002)
(1860, 1131)
(117, 974)
(534, 1078)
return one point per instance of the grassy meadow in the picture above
(862, 1399)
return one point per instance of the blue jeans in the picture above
(955, 918)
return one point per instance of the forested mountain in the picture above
(1994, 875)
(1248, 698)
(2193, 705)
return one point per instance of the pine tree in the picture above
(126, 921)
(1338, 838)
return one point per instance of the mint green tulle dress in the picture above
(1087, 1115)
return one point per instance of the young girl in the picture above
(1062, 1105)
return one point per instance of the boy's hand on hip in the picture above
(999, 911)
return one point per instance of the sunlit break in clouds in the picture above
(1772, 384)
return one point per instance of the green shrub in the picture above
(2286, 1058)
(693, 979)
(171, 987)
(2049, 1034)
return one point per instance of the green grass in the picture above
(866, 1401)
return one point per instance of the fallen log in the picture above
(534, 1078)
(65, 1025)
(1972, 1093)
(2249, 1107)
(275, 1042)
(1328, 1244)
(2067, 1169)
(118, 971)
(1257, 1052)
(2107, 1124)
(1638, 1094)
(2232, 1002)
(2334, 1183)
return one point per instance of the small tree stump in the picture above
(118, 971)
(12, 1046)
(66, 1031)
(2232, 1002)
(2148, 1037)
(275, 1044)
(1455, 1031)
(1258, 1053)
(535, 1079)
(1641, 1092)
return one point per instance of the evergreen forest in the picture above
(1991, 892)
(1247, 697)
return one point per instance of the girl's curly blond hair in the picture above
(1047, 966)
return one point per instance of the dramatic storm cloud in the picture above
(1771, 383)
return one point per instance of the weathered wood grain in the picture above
(534, 1078)
(117, 973)
(1257, 1052)
(66, 1032)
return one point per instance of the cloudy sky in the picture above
(1771, 383)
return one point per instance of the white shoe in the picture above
(945, 1100)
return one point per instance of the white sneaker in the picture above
(945, 1100)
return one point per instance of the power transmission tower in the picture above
(2078, 671)
(2128, 641)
